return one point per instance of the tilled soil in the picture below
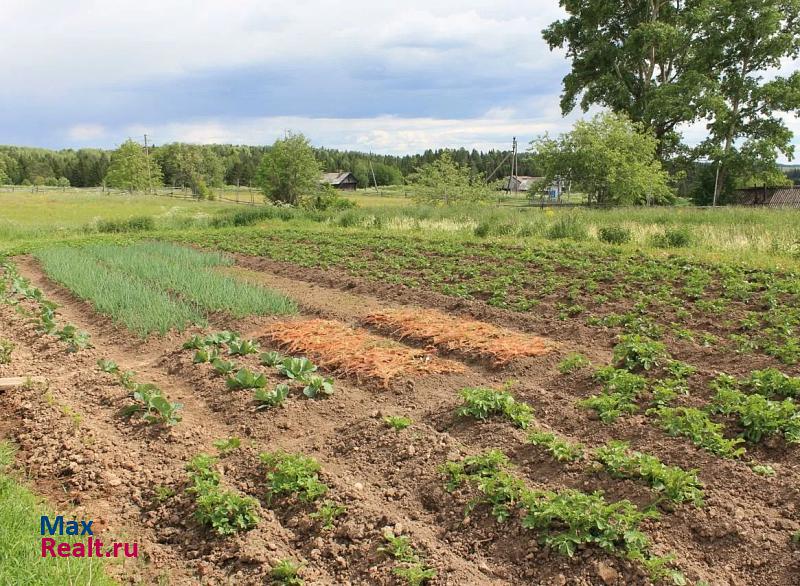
(89, 461)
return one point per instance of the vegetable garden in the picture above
(388, 410)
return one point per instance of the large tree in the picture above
(637, 57)
(131, 169)
(748, 39)
(289, 171)
(611, 158)
(194, 166)
(446, 181)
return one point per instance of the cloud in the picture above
(87, 132)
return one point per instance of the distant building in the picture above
(343, 180)
(522, 183)
(777, 197)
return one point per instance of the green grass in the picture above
(155, 287)
(20, 545)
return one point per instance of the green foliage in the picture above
(108, 366)
(205, 355)
(563, 520)
(635, 352)
(286, 573)
(152, 406)
(762, 469)
(246, 379)
(613, 158)
(6, 348)
(131, 169)
(559, 448)
(698, 427)
(444, 181)
(772, 382)
(573, 362)
(673, 238)
(327, 513)
(226, 512)
(318, 387)
(567, 226)
(224, 367)
(227, 445)
(292, 475)
(271, 359)
(133, 224)
(620, 391)
(298, 369)
(673, 482)
(481, 403)
(289, 171)
(758, 415)
(397, 422)
(243, 347)
(614, 235)
(411, 568)
(274, 398)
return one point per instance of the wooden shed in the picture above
(343, 180)
(773, 197)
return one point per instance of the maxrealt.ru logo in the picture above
(52, 547)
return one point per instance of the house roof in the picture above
(774, 196)
(336, 178)
(525, 182)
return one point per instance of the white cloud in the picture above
(86, 132)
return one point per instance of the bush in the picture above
(614, 235)
(134, 224)
(246, 216)
(567, 226)
(673, 238)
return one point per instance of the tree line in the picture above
(203, 167)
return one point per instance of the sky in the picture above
(379, 75)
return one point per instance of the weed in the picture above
(6, 348)
(286, 573)
(397, 422)
(292, 474)
(481, 403)
(572, 363)
(673, 238)
(274, 398)
(614, 235)
(327, 513)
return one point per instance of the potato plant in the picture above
(397, 422)
(758, 415)
(559, 448)
(327, 513)
(410, 566)
(573, 363)
(699, 428)
(564, 520)
(482, 403)
(292, 475)
(224, 511)
(621, 389)
(286, 573)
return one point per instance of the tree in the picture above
(748, 38)
(289, 170)
(194, 166)
(612, 158)
(635, 57)
(445, 181)
(131, 169)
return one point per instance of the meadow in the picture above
(580, 396)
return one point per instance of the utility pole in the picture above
(514, 164)
(147, 158)
(374, 181)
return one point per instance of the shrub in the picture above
(673, 238)
(134, 224)
(567, 226)
(614, 235)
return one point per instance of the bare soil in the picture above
(89, 461)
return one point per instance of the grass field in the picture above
(20, 543)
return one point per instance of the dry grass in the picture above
(354, 352)
(469, 338)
